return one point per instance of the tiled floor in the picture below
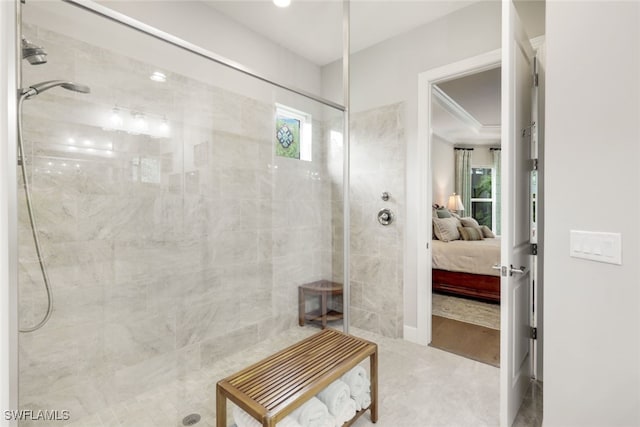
(422, 386)
(418, 386)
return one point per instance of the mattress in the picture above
(466, 256)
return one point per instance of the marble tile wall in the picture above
(165, 254)
(376, 258)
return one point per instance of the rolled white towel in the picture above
(243, 419)
(363, 401)
(360, 397)
(348, 412)
(357, 380)
(312, 413)
(335, 396)
(288, 421)
(330, 421)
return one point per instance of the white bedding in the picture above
(467, 256)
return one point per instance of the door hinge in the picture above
(534, 164)
(535, 71)
(535, 79)
(529, 128)
(534, 333)
(534, 249)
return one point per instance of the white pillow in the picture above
(487, 233)
(446, 229)
(469, 222)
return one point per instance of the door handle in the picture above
(496, 266)
(522, 270)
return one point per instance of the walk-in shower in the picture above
(173, 224)
(28, 93)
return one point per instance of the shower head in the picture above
(37, 88)
(33, 53)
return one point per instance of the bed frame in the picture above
(479, 286)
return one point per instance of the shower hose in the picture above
(32, 220)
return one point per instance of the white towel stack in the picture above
(313, 413)
(333, 406)
(337, 398)
(242, 419)
(359, 385)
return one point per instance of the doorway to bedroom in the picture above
(465, 188)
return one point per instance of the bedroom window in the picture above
(483, 196)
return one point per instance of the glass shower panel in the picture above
(174, 234)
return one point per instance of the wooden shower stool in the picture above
(274, 387)
(323, 289)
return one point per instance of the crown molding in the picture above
(453, 140)
(453, 108)
(536, 42)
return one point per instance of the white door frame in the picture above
(426, 79)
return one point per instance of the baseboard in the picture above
(410, 334)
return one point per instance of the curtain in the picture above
(497, 154)
(463, 178)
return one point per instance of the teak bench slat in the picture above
(274, 387)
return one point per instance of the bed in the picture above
(463, 268)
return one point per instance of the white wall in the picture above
(208, 28)
(442, 169)
(198, 24)
(387, 73)
(592, 310)
(481, 157)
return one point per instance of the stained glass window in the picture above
(287, 137)
(293, 133)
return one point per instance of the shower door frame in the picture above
(10, 81)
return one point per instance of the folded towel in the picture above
(335, 396)
(312, 413)
(363, 401)
(357, 380)
(242, 419)
(348, 412)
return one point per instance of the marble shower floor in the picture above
(418, 386)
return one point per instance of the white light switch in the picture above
(596, 246)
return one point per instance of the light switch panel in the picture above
(596, 246)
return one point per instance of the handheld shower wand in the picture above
(28, 93)
(38, 88)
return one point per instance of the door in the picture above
(517, 83)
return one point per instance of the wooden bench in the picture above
(274, 387)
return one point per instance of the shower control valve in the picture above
(385, 216)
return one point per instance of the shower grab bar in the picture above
(149, 30)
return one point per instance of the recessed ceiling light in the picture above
(282, 3)
(158, 76)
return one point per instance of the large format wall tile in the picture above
(377, 165)
(165, 253)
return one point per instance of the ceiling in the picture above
(312, 29)
(467, 110)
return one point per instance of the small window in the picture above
(482, 196)
(293, 133)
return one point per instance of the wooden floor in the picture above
(471, 341)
